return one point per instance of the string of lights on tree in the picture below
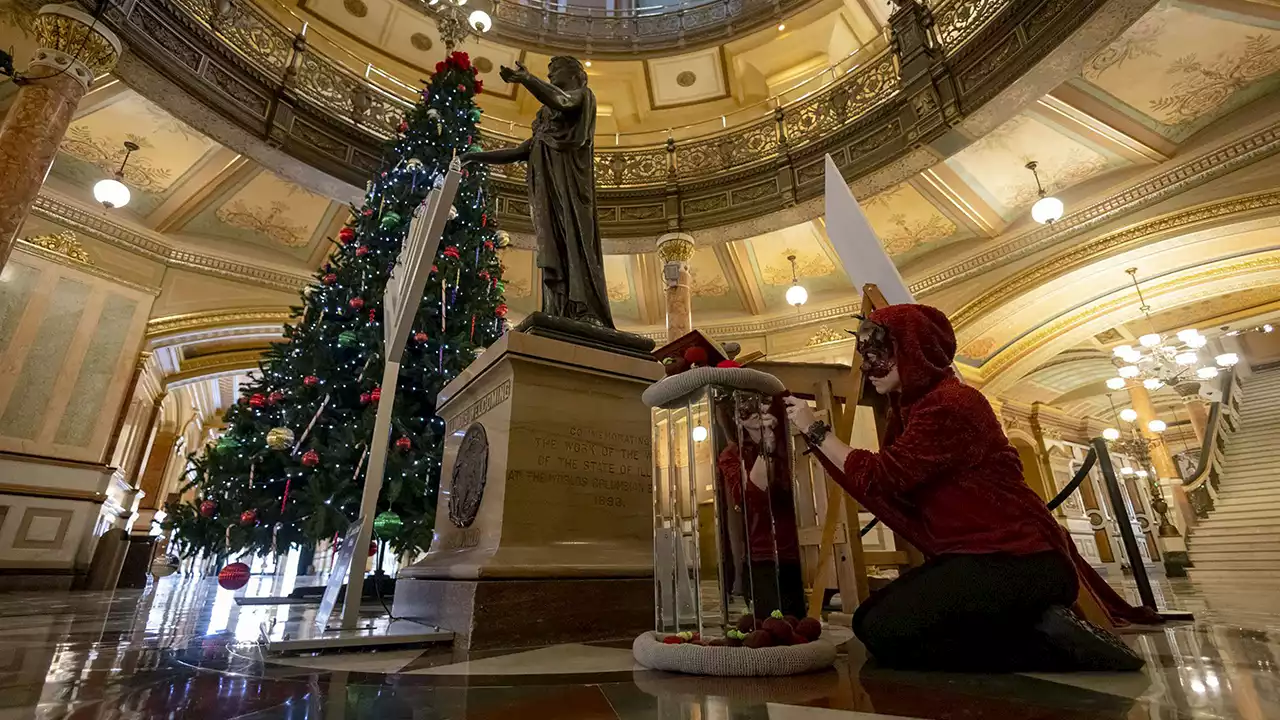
(289, 468)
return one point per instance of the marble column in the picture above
(1197, 412)
(676, 249)
(1171, 538)
(73, 50)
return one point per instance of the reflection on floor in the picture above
(184, 648)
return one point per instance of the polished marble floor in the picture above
(185, 649)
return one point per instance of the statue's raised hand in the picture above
(519, 74)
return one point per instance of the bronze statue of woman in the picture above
(562, 190)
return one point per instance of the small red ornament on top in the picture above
(479, 86)
(356, 303)
(451, 252)
(257, 400)
(404, 444)
(248, 517)
(501, 310)
(420, 336)
(275, 397)
(362, 251)
(330, 278)
(375, 394)
(346, 235)
(207, 507)
(404, 126)
(311, 458)
(310, 380)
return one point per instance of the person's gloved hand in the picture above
(800, 414)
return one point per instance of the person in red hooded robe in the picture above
(1000, 574)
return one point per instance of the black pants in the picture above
(777, 586)
(968, 612)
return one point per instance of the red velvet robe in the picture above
(946, 478)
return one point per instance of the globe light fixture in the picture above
(1129, 371)
(1207, 373)
(1111, 434)
(1129, 415)
(1157, 426)
(1126, 470)
(1116, 383)
(699, 434)
(1152, 384)
(796, 294)
(1227, 359)
(1048, 209)
(112, 192)
(1149, 340)
(480, 20)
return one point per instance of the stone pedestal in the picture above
(544, 524)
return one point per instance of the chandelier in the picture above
(1160, 360)
(456, 24)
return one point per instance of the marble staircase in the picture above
(1241, 538)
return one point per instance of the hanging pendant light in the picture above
(112, 192)
(796, 294)
(1048, 209)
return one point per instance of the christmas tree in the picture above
(290, 466)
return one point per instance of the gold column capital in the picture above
(72, 42)
(675, 247)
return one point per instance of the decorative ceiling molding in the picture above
(211, 366)
(1087, 252)
(1160, 187)
(40, 251)
(101, 228)
(1199, 281)
(162, 331)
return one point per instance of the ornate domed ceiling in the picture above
(1152, 142)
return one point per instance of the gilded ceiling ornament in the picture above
(63, 243)
(675, 247)
(423, 43)
(807, 266)
(686, 79)
(483, 64)
(826, 335)
(715, 286)
(356, 7)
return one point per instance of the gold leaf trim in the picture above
(64, 243)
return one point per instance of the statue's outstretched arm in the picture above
(505, 156)
(550, 95)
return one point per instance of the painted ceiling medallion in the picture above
(421, 42)
(356, 7)
(483, 64)
(686, 79)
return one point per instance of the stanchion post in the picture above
(1121, 510)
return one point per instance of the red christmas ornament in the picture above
(501, 310)
(462, 88)
(695, 356)
(311, 458)
(404, 127)
(420, 336)
(375, 394)
(257, 400)
(484, 219)
(346, 235)
(365, 398)
(434, 269)
(373, 314)
(451, 252)
(439, 69)
(356, 303)
(330, 278)
(488, 244)
(479, 86)
(404, 444)
(367, 212)
(207, 507)
(484, 275)
(234, 576)
(248, 517)
(275, 397)
(362, 251)
(373, 548)
(310, 380)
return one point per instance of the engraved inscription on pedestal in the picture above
(469, 471)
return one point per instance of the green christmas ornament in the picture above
(226, 442)
(474, 115)
(387, 525)
(347, 338)
(476, 148)
(390, 220)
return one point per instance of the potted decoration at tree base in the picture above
(728, 584)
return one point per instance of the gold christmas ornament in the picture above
(280, 438)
